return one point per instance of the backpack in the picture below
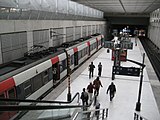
(112, 88)
(84, 95)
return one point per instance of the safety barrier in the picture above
(92, 114)
(137, 116)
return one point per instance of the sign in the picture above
(130, 71)
(108, 44)
(127, 45)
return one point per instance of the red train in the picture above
(33, 80)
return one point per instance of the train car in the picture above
(141, 32)
(7, 91)
(34, 80)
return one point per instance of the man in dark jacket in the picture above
(90, 88)
(84, 97)
(91, 69)
(99, 69)
(112, 89)
(97, 83)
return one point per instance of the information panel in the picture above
(108, 44)
(129, 71)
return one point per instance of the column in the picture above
(86, 30)
(29, 39)
(0, 52)
(64, 34)
(74, 32)
(91, 29)
(50, 38)
(81, 31)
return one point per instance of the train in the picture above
(33, 80)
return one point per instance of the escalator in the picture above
(52, 110)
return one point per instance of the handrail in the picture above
(94, 110)
(37, 107)
(44, 101)
(104, 114)
(137, 116)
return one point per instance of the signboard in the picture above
(129, 71)
(127, 45)
(108, 44)
(122, 45)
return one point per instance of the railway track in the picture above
(153, 53)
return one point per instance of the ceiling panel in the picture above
(123, 6)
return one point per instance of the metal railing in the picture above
(98, 114)
(137, 116)
(41, 101)
(16, 108)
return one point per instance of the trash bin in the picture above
(107, 50)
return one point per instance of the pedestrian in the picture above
(97, 111)
(99, 69)
(97, 83)
(91, 69)
(54, 75)
(84, 97)
(112, 89)
(90, 88)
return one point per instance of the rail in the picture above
(92, 114)
(37, 107)
(137, 116)
(43, 101)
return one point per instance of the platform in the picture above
(123, 105)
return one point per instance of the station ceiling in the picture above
(111, 8)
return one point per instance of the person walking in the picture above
(91, 69)
(84, 97)
(97, 111)
(112, 89)
(90, 88)
(97, 83)
(99, 69)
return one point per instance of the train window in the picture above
(27, 88)
(2, 96)
(11, 93)
(95, 45)
(46, 73)
(79, 54)
(63, 65)
(45, 77)
(82, 53)
(92, 47)
(86, 50)
(72, 59)
(50, 75)
(37, 82)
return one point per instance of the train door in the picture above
(56, 72)
(89, 49)
(75, 58)
(10, 94)
(97, 42)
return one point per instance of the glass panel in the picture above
(27, 88)
(2, 97)
(11, 93)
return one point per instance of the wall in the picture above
(18, 36)
(129, 20)
(153, 33)
(154, 27)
